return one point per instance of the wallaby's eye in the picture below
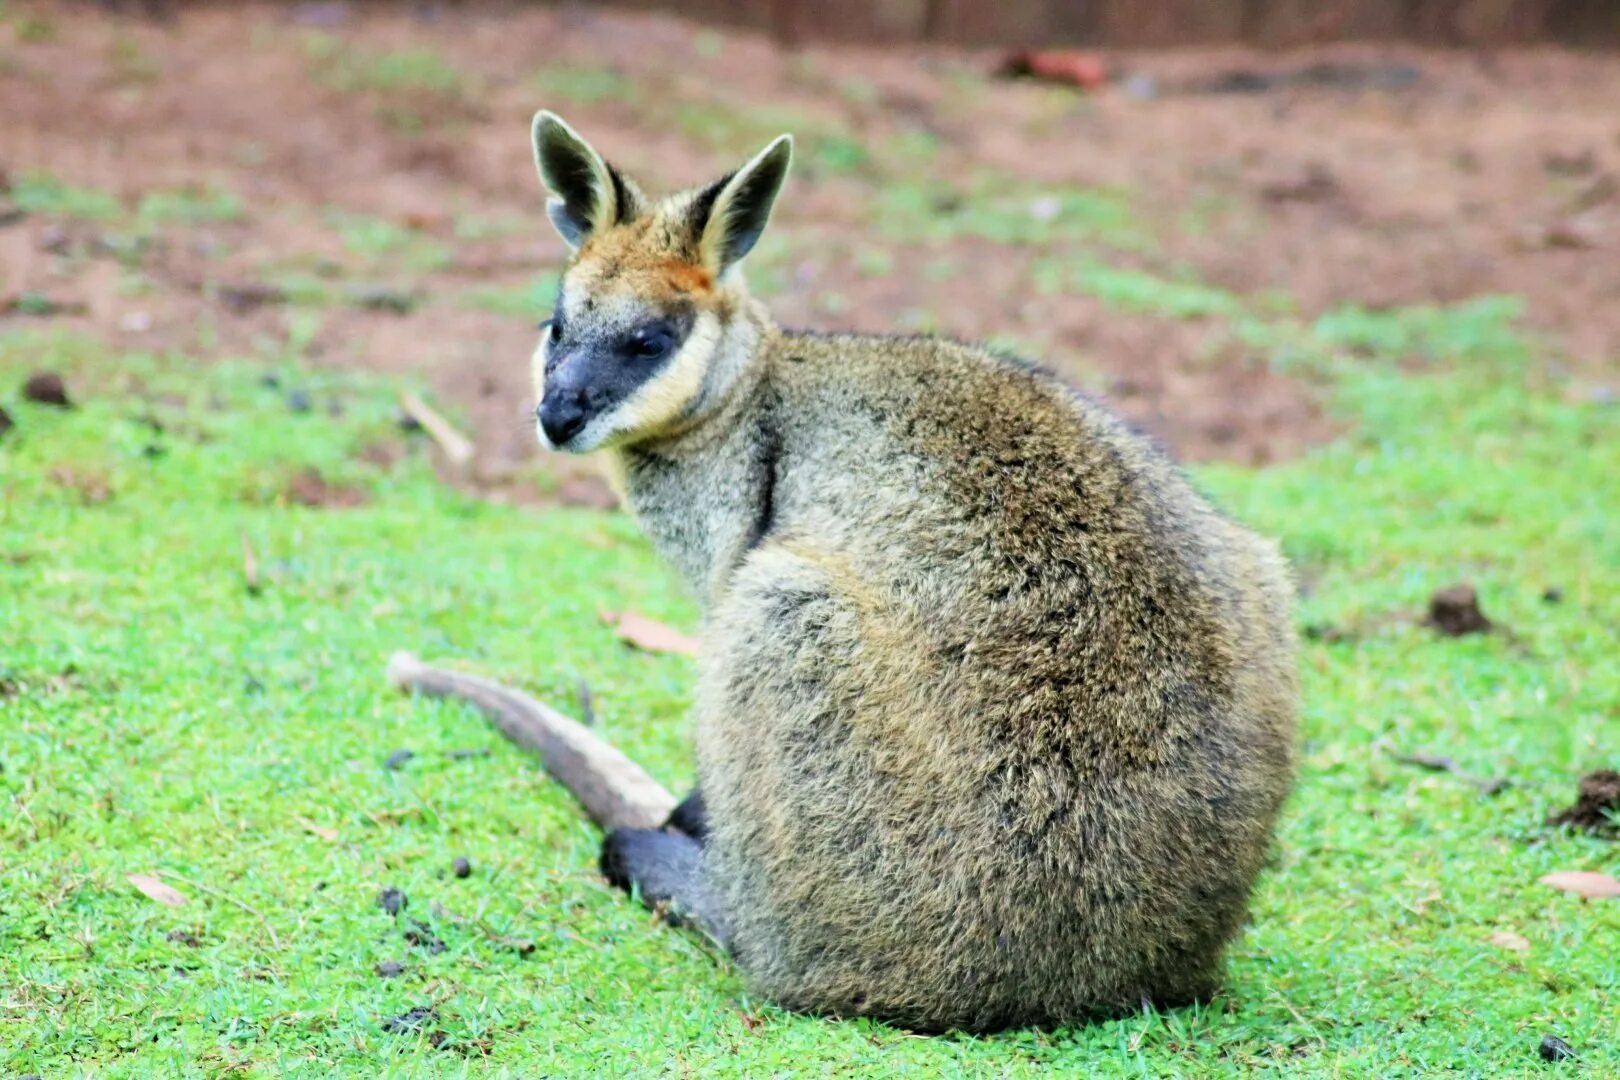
(553, 328)
(651, 342)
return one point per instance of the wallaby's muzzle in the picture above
(563, 413)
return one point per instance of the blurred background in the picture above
(269, 280)
(349, 184)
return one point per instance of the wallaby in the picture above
(994, 712)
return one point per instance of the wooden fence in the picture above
(1127, 23)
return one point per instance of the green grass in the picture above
(35, 30)
(345, 67)
(304, 287)
(50, 196)
(190, 206)
(413, 89)
(159, 718)
(1482, 330)
(575, 84)
(383, 242)
(991, 207)
(475, 227)
(41, 193)
(1136, 291)
(533, 300)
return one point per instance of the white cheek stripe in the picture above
(666, 396)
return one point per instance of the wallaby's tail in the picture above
(614, 790)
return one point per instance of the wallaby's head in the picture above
(652, 323)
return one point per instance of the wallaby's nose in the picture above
(561, 417)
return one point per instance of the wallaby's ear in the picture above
(587, 195)
(733, 211)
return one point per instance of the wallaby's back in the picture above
(995, 723)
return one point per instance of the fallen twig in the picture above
(1487, 785)
(250, 566)
(458, 449)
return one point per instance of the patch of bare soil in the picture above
(308, 487)
(1485, 174)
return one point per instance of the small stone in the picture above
(299, 401)
(408, 1022)
(47, 388)
(1553, 595)
(422, 936)
(398, 759)
(6, 422)
(393, 900)
(461, 867)
(183, 937)
(389, 968)
(1553, 1048)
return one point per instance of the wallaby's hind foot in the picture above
(665, 869)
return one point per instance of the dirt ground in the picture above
(378, 154)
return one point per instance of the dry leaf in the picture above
(1584, 883)
(329, 835)
(645, 633)
(1507, 939)
(157, 890)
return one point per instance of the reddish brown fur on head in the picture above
(646, 257)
